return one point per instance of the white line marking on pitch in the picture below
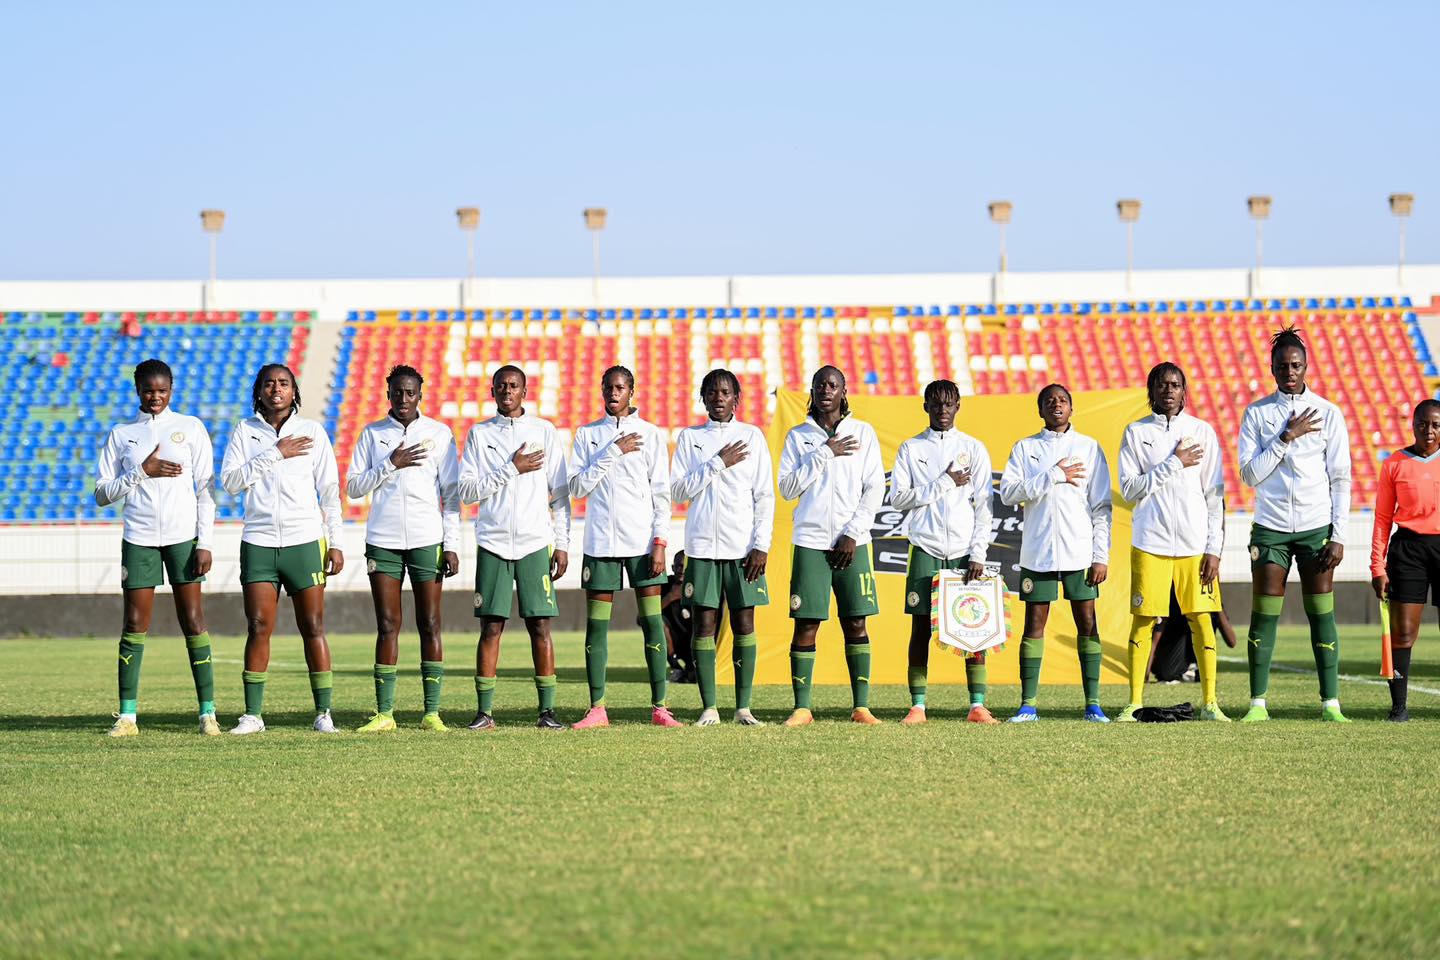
(1351, 678)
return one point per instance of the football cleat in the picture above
(482, 721)
(709, 717)
(915, 716)
(1094, 714)
(124, 727)
(377, 723)
(208, 725)
(432, 721)
(864, 716)
(594, 717)
(323, 723)
(745, 718)
(1128, 714)
(662, 717)
(547, 721)
(1333, 715)
(1256, 714)
(247, 724)
(1026, 714)
(1212, 711)
(979, 714)
(1398, 715)
(801, 717)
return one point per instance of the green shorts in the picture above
(496, 579)
(1272, 546)
(1045, 587)
(708, 583)
(812, 580)
(295, 568)
(140, 567)
(423, 563)
(920, 573)
(604, 573)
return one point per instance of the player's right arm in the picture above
(1016, 488)
(689, 475)
(588, 465)
(237, 473)
(364, 476)
(904, 493)
(1258, 459)
(110, 484)
(1137, 483)
(477, 482)
(800, 470)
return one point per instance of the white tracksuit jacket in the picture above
(418, 506)
(945, 521)
(1067, 528)
(732, 509)
(159, 511)
(1304, 484)
(519, 513)
(838, 495)
(287, 501)
(627, 495)
(1179, 510)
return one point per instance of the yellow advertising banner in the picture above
(997, 421)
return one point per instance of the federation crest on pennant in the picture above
(968, 617)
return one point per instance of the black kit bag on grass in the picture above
(1175, 714)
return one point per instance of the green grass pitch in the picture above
(1293, 838)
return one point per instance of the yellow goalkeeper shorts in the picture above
(1152, 578)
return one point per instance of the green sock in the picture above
(1264, 622)
(975, 675)
(597, 648)
(1089, 649)
(1032, 649)
(704, 648)
(432, 678)
(322, 683)
(545, 691)
(485, 692)
(652, 632)
(254, 681)
(802, 671)
(132, 651)
(746, 653)
(1324, 641)
(918, 679)
(857, 659)
(385, 687)
(202, 669)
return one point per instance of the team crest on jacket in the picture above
(1027, 585)
(479, 600)
(912, 599)
(689, 590)
(794, 601)
(177, 437)
(427, 444)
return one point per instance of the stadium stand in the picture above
(1367, 354)
(75, 370)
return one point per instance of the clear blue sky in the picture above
(731, 137)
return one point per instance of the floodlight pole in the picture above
(1000, 212)
(212, 222)
(468, 219)
(1259, 207)
(1129, 211)
(595, 222)
(1400, 205)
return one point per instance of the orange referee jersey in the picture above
(1409, 497)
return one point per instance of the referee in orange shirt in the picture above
(1405, 566)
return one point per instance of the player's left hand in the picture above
(559, 563)
(334, 561)
(203, 559)
(449, 564)
(1331, 554)
(1096, 574)
(843, 553)
(975, 571)
(657, 559)
(1209, 569)
(755, 562)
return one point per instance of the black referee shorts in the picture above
(1413, 566)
